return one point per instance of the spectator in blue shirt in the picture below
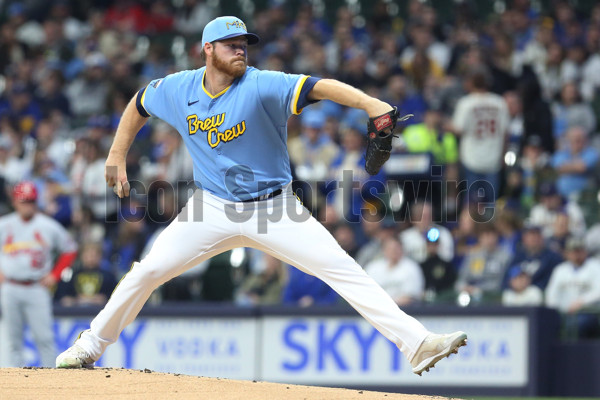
(20, 106)
(305, 290)
(533, 258)
(575, 164)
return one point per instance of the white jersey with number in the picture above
(28, 248)
(482, 119)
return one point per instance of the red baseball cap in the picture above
(25, 191)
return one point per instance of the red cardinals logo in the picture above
(35, 249)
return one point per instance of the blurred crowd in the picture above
(421, 228)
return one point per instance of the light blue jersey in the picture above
(237, 138)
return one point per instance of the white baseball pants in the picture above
(280, 226)
(27, 305)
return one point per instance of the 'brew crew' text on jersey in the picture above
(237, 138)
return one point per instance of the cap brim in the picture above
(252, 37)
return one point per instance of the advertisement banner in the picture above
(349, 351)
(308, 350)
(213, 347)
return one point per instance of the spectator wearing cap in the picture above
(88, 93)
(397, 93)
(57, 197)
(550, 205)
(397, 274)
(440, 275)
(21, 107)
(127, 244)
(311, 153)
(353, 70)
(430, 137)
(464, 235)
(376, 230)
(575, 286)
(520, 291)
(570, 111)
(575, 164)
(484, 267)
(534, 258)
(51, 95)
(413, 238)
(98, 129)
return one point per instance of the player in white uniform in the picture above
(233, 119)
(29, 241)
(481, 119)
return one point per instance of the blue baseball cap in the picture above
(515, 271)
(222, 28)
(313, 119)
(356, 119)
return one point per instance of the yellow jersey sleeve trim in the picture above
(297, 94)
(206, 91)
(142, 100)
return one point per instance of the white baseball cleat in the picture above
(74, 357)
(434, 348)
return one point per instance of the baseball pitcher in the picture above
(233, 118)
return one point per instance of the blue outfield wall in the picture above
(511, 351)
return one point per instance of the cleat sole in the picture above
(435, 360)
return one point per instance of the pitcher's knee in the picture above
(149, 273)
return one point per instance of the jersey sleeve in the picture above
(286, 94)
(156, 99)
(460, 115)
(63, 241)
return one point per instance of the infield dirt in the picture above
(110, 383)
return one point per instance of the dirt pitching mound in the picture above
(109, 383)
